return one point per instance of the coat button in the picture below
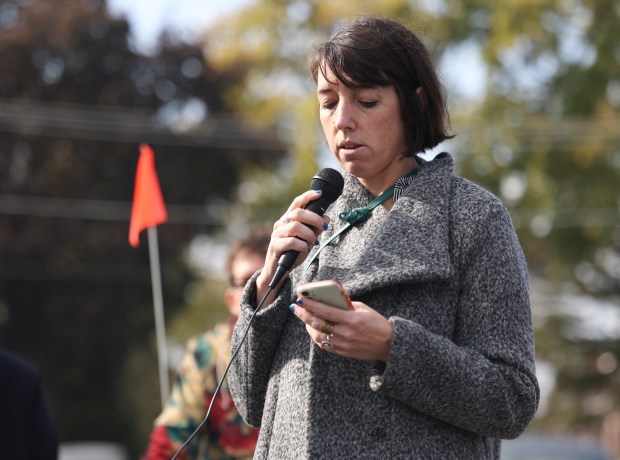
(378, 432)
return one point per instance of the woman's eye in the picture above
(368, 104)
(328, 105)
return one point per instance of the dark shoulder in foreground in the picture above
(11, 364)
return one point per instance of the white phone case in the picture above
(330, 292)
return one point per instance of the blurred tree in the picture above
(75, 102)
(546, 140)
(541, 132)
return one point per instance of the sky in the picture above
(148, 18)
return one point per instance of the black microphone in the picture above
(331, 183)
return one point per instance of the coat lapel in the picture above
(409, 244)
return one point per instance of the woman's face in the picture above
(364, 130)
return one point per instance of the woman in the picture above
(436, 361)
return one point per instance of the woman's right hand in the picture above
(297, 230)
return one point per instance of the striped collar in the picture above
(403, 183)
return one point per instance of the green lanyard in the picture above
(355, 216)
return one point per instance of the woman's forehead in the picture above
(328, 79)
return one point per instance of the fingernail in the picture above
(309, 248)
(291, 308)
(316, 242)
(325, 225)
(318, 191)
(299, 302)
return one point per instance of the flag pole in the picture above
(148, 211)
(158, 307)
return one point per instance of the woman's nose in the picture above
(343, 118)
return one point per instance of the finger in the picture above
(302, 230)
(326, 342)
(324, 311)
(310, 196)
(312, 220)
(301, 224)
(302, 200)
(287, 230)
(308, 318)
(286, 243)
(297, 212)
(316, 332)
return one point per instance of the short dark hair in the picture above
(256, 241)
(372, 51)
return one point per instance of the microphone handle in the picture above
(286, 261)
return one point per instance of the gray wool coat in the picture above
(446, 268)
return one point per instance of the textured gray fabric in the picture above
(445, 266)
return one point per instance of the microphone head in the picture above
(330, 182)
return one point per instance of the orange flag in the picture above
(148, 204)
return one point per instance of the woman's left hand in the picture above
(361, 333)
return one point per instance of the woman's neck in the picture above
(388, 177)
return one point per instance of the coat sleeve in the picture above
(482, 379)
(250, 371)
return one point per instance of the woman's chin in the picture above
(352, 167)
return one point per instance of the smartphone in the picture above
(330, 292)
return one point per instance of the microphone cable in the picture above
(219, 385)
(331, 183)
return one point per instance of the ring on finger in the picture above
(328, 328)
(286, 219)
(327, 342)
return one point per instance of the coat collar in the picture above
(411, 242)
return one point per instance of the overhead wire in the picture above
(119, 124)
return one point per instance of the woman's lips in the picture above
(348, 148)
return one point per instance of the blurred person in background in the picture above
(226, 436)
(27, 431)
